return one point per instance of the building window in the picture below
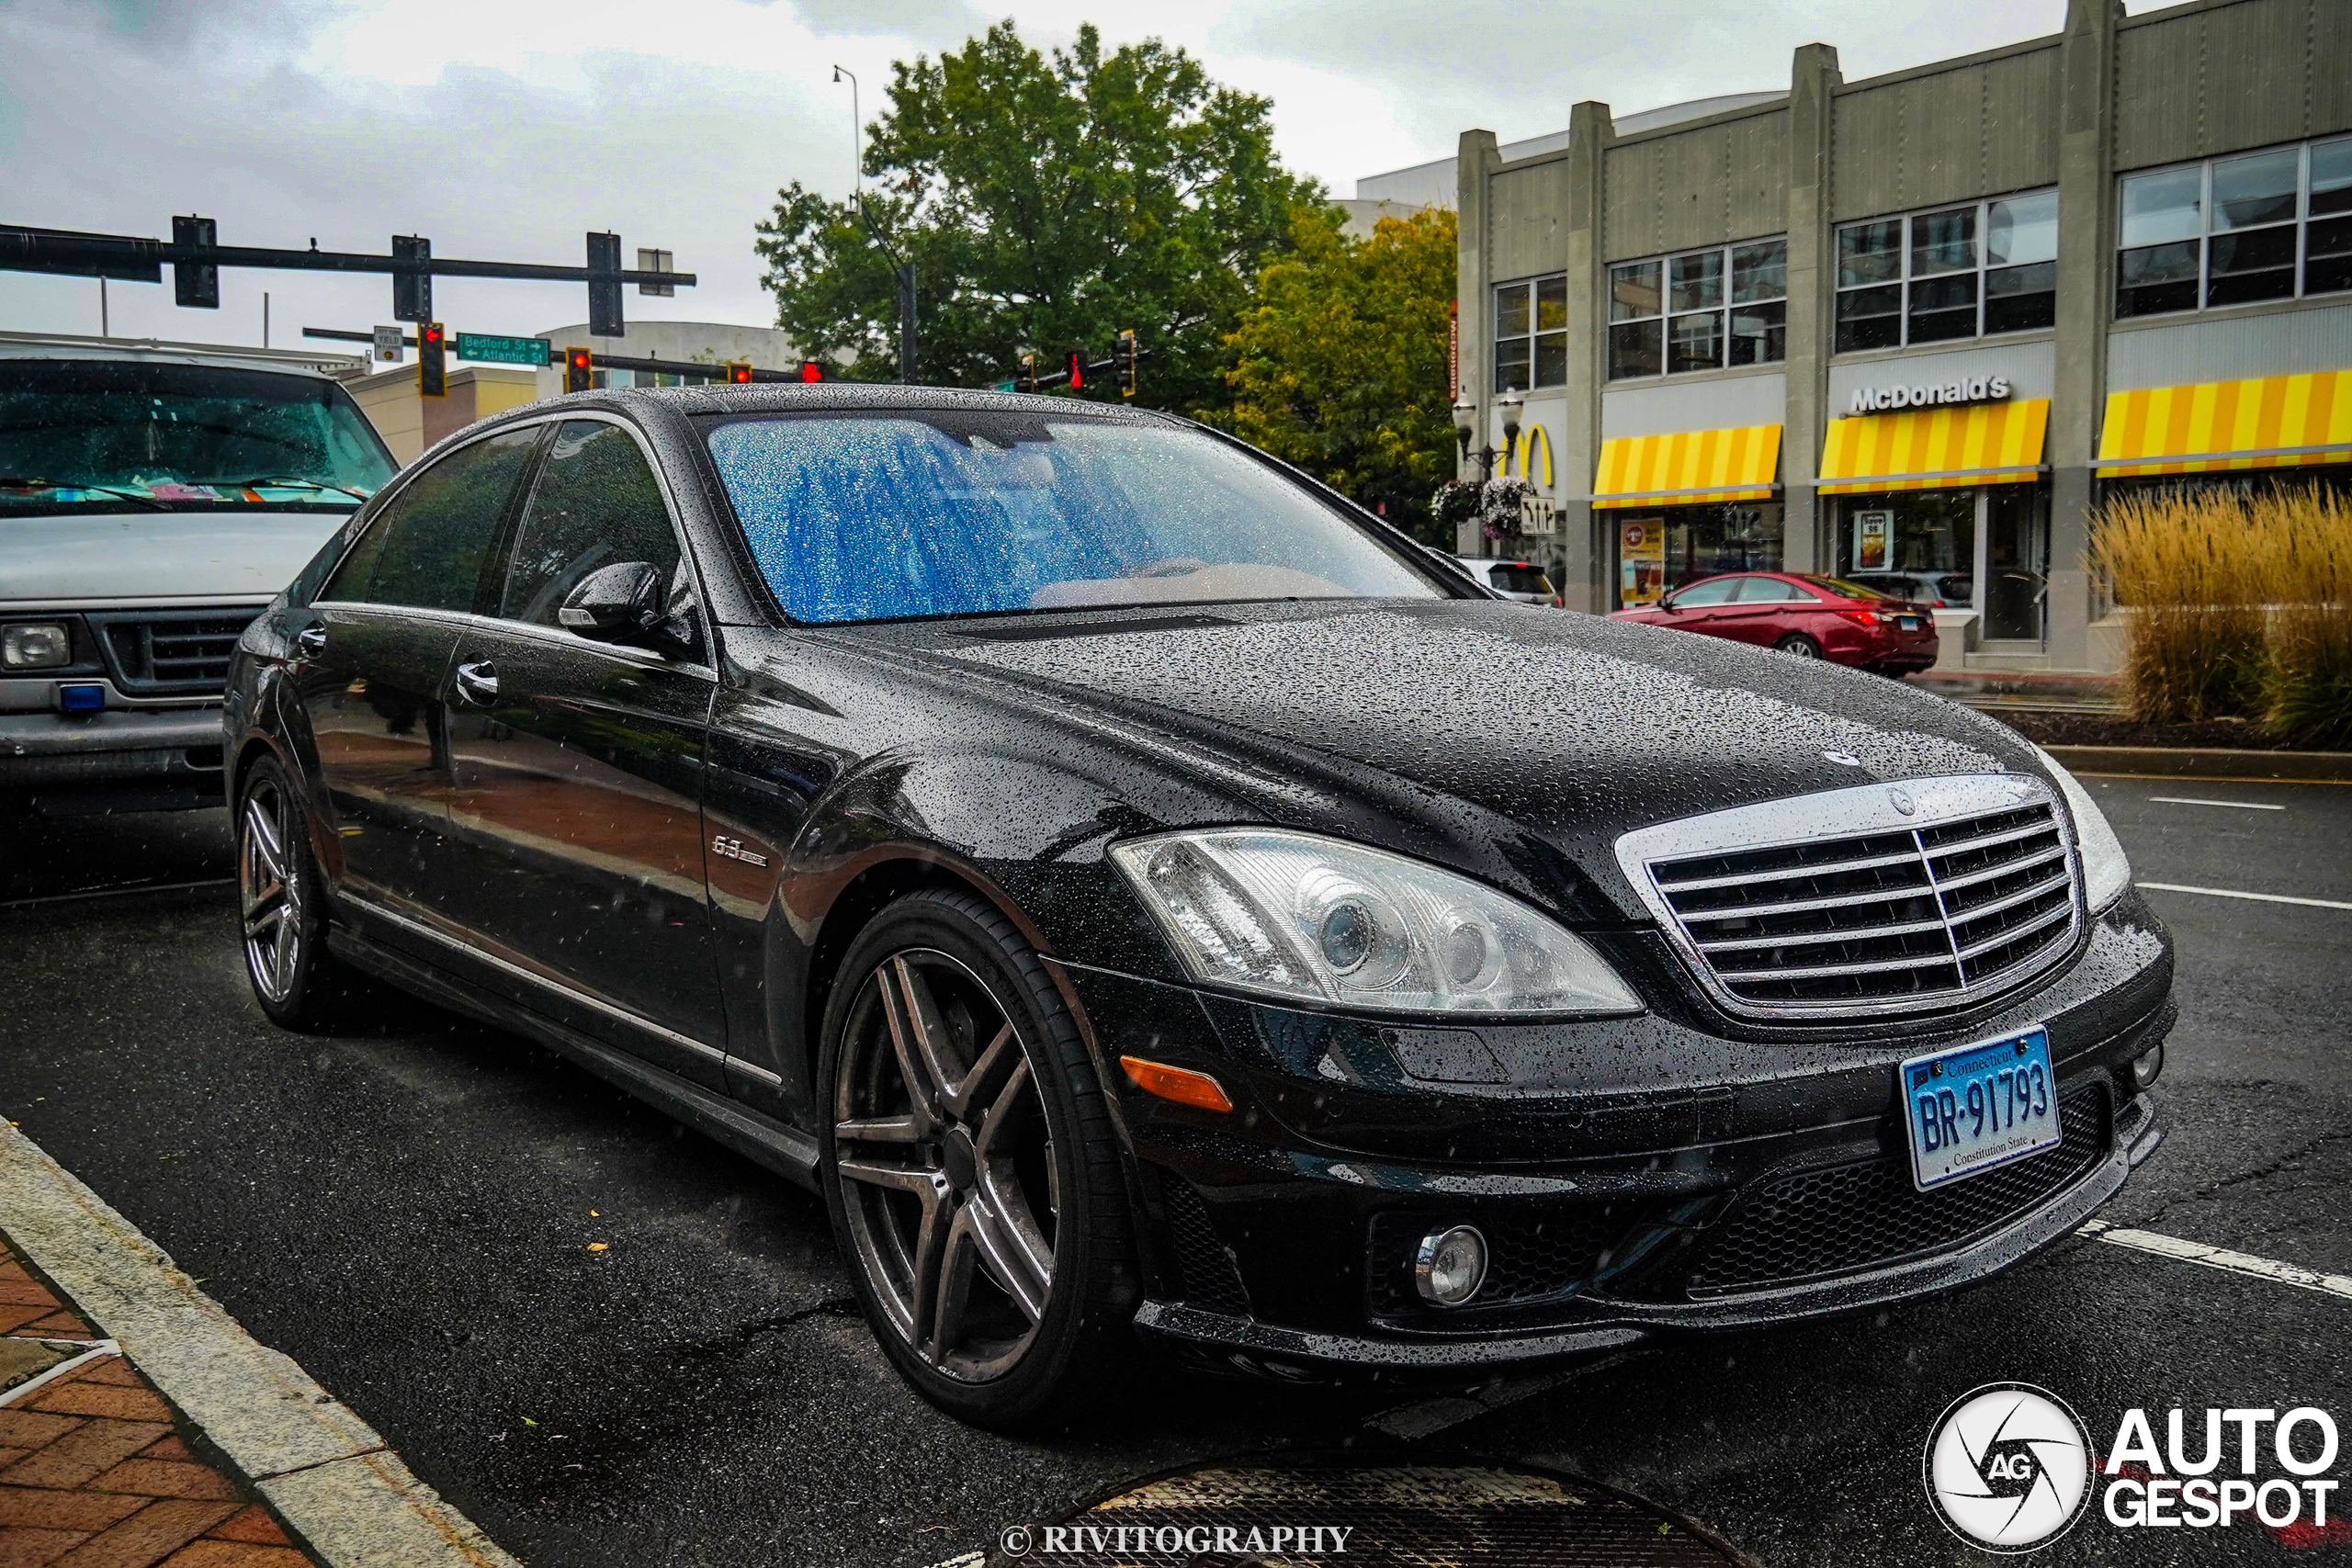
(1957, 272)
(1532, 334)
(1701, 310)
(2263, 226)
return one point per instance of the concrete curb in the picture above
(324, 1469)
(2156, 761)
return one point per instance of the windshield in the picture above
(861, 517)
(78, 434)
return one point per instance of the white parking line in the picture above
(2232, 893)
(2221, 1258)
(2192, 800)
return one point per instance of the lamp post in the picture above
(857, 142)
(1508, 405)
(1466, 421)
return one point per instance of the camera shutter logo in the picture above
(2007, 1467)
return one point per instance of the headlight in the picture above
(1310, 918)
(36, 645)
(2105, 870)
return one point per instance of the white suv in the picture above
(154, 497)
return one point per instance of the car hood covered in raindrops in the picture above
(1572, 728)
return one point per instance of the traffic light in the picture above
(1123, 362)
(1077, 368)
(411, 291)
(812, 370)
(739, 374)
(1028, 372)
(579, 369)
(196, 283)
(432, 360)
(605, 286)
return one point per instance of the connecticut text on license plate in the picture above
(1979, 1106)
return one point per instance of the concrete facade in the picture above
(2073, 113)
(410, 422)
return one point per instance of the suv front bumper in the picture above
(166, 753)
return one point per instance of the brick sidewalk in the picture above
(92, 1473)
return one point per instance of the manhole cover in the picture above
(1342, 1512)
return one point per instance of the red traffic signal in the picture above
(1077, 369)
(739, 374)
(810, 370)
(432, 360)
(579, 369)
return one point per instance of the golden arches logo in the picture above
(1533, 442)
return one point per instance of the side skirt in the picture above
(787, 1151)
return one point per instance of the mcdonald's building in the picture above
(1916, 328)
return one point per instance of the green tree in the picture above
(1340, 362)
(1046, 204)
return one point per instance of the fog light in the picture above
(2147, 1066)
(81, 699)
(1450, 1265)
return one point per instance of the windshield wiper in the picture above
(281, 481)
(11, 481)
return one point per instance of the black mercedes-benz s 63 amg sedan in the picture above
(1152, 900)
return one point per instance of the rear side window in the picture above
(1518, 579)
(1767, 591)
(596, 504)
(427, 548)
(1716, 590)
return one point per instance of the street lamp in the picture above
(857, 142)
(1465, 423)
(1508, 405)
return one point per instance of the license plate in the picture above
(1908, 623)
(1979, 1106)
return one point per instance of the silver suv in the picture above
(154, 497)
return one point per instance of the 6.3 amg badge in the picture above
(2007, 1467)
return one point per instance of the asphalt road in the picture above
(408, 1213)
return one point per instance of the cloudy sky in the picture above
(503, 129)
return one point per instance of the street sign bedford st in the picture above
(502, 350)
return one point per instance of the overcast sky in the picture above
(505, 130)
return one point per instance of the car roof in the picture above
(852, 397)
(154, 351)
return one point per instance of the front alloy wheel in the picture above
(941, 1142)
(970, 1165)
(269, 886)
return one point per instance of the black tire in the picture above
(1798, 645)
(281, 909)
(1011, 1143)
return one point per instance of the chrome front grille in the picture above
(1843, 903)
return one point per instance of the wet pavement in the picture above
(412, 1212)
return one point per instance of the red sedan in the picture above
(1810, 617)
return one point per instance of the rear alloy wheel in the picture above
(280, 906)
(970, 1165)
(1799, 646)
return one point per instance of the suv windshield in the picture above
(926, 513)
(78, 434)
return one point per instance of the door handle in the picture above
(477, 683)
(312, 641)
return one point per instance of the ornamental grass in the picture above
(2241, 607)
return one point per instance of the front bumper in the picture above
(161, 751)
(1635, 1177)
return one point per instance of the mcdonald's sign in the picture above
(1530, 459)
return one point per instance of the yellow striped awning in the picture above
(2271, 422)
(1970, 444)
(1689, 467)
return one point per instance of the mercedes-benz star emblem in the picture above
(1901, 800)
(1843, 759)
(2007, 1468)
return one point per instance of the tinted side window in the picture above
(596, 504)
(427, 549)
(1718, 590)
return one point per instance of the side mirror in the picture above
(622, 604)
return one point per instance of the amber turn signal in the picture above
(1179, 1084)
